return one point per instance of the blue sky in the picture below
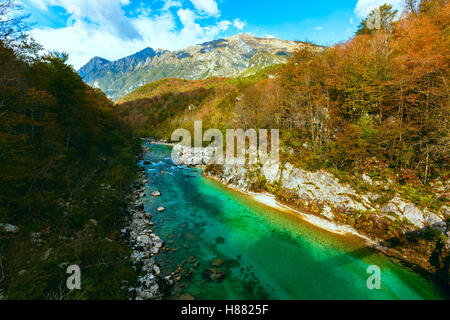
(116, 28)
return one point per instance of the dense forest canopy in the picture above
(382, 97)
(375, 107)
(378, 103)
(67, 163)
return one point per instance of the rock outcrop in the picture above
(320, 188)
(8, 228)
(325, 191)
(183, 155)
(320, 193)
(407, 210)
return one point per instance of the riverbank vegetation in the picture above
(376, 106)
(67, 165)
(378, 103)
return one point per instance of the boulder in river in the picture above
(191, 237)
(217, 263)
(213, 275)
(161, 209)
(156, 194)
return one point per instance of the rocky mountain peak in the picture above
(94, 64)
(242, 54)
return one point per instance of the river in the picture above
(259, 252)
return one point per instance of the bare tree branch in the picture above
(12, 25)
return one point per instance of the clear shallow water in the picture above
(266, 254)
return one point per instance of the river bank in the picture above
(271, 201)
(223, 244)
(414, 237)
(145, 244)
(345, 231)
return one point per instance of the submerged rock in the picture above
(217, 263)
(187, 297)
(191, 236)
(220, 240)
(213, 275)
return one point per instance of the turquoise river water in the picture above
(260, 252)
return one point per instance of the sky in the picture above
(113, 29)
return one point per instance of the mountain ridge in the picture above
(231, 57)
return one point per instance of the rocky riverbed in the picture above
(145, 246)
(222, 244)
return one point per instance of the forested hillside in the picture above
(380, 99)
(67, 165)
(375, 106)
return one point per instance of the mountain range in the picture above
(236, 56)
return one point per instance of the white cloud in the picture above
(171, 3)
(238, 24)
(318, 28)
(97, 29)
(207, 7)
(364, 7)
(108, 13)
(39, 4)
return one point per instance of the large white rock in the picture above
(8, 228)
(367, 179)
(435, 221)
(148, 287)
(271, 170)
(322, 187)
(144, 240)
(183, 155)
(405, 209)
